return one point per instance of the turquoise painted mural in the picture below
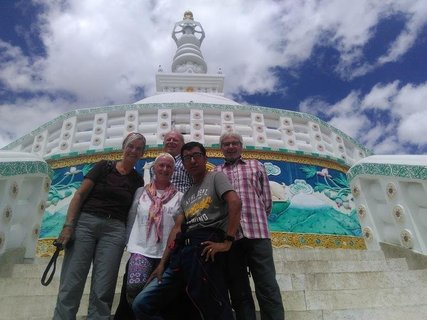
(318, 200)
(306, 199)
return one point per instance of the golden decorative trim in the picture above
(213, 153)
(306, 240)
(281, 156)
(93, 158)
(302, 159)
(45, 247)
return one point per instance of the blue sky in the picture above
(359, 65)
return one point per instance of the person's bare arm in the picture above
(158, 272)
(234, 210)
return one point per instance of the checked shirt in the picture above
(250, 181)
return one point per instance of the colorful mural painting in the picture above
(307, 199)
(311, 205)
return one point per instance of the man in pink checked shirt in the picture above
(252, 248)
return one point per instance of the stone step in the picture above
(289, 254)
(390, 313)
(417, 312)
(293, 254)
(80, 317)
(39, 307)
(352, 280)
(320, 266)
(36, 270)
(287, 282)
(354, 299)
(317, 284)
(296, 301)
(282, 266)
(407, 313)
(33, 287)
(305, 254)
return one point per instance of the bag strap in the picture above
(51, 263)
(106, 170)
(109, 166)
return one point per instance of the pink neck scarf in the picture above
(155, 212)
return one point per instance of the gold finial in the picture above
(188, 15)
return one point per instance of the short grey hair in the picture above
(230, 135)
(164, 155)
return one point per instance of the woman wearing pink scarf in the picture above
(151, 218)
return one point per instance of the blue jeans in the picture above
(204, 283)
(257, 255)
(101, 241)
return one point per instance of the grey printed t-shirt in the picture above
(203, 205)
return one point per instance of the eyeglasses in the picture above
(195, 156)
(232, 144)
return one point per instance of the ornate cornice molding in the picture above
(385, 169)
(214, 153)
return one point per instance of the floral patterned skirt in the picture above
(139, 270)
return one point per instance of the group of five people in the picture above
(192, 235)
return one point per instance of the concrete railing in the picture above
(390, 196)
(103, 129)
(24, 187)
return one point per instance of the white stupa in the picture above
(191, 100)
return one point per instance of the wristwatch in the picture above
(229, 238)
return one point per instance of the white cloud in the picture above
(389, 145)
(399, 122)
(314, 105)
(349, 125)
(25, 115)
(17, 71)
(413, 129)
(417, 12)
(357, 27)
(411, 99)
(380, 96)
(99, 54)
(347, 106)
(373, 136)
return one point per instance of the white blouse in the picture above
(138, 241)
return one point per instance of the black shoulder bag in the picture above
(51, 263)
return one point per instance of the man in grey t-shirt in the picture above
(210, 221)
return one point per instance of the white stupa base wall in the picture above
(390, 195)
(24, 187)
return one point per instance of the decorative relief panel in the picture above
(311, 196)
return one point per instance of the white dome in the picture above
(186, 97)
